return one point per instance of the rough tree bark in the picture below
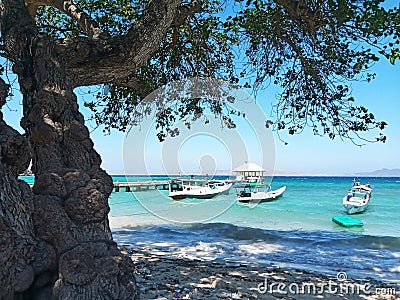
(56, 241)
(71, 190)
(22, 255)
(70, 196)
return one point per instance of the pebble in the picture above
(219, 284)
(147, 271)
(182, 279)
(140, 280)
(205, 281)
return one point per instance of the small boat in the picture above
(200, 189)
(357, 199)
(254, 192)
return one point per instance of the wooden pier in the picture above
(139, 186)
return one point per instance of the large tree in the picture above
(55, 239)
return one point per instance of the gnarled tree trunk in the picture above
(22, 256)
(71, 190)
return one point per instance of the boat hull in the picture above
(178, 196)
(355, 209)
(182, 195)
(260, 197)
(201, 192)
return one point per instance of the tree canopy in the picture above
(311, 49)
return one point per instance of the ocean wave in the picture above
(225, 231)
(360, 255)
(342, 238)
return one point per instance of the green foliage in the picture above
(311, 49)
(395, 55)
(313, 56)
(114, 17)
(199, 48)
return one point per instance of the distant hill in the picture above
(381, 173)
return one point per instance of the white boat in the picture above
(254, 192)
(357, 199)
(201, 189)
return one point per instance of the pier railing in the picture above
(141, 185)
(138, 186)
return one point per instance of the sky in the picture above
(205, 150)
(306, 153)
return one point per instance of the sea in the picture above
(295, 231)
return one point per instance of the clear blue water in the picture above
(294, 231)
(308, 204)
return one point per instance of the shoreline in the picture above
(162, 276)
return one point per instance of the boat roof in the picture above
(188, 180)
(365, 187)
(198, 180)
(362, 184)
(249, 167)
(248, 184)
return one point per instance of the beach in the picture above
(162, 275)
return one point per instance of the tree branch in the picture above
(186, 10)
(133, 82)
(4, 88)
(298, 9)
(16, 27)
(87, 24)
(114, 58)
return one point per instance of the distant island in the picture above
(380, 173)
(377, 173)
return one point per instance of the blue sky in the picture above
(305, 153)
(320, 155)
(312, 154)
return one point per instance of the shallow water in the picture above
(360, 256)
(308, 204)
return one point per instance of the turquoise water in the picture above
(294, 231)
(307, 204)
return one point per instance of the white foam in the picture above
(396, 254)
(261, 248)
(395, 269)
(164, 244)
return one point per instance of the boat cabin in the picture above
(249, 172)
(359, 191)
(178, 185)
